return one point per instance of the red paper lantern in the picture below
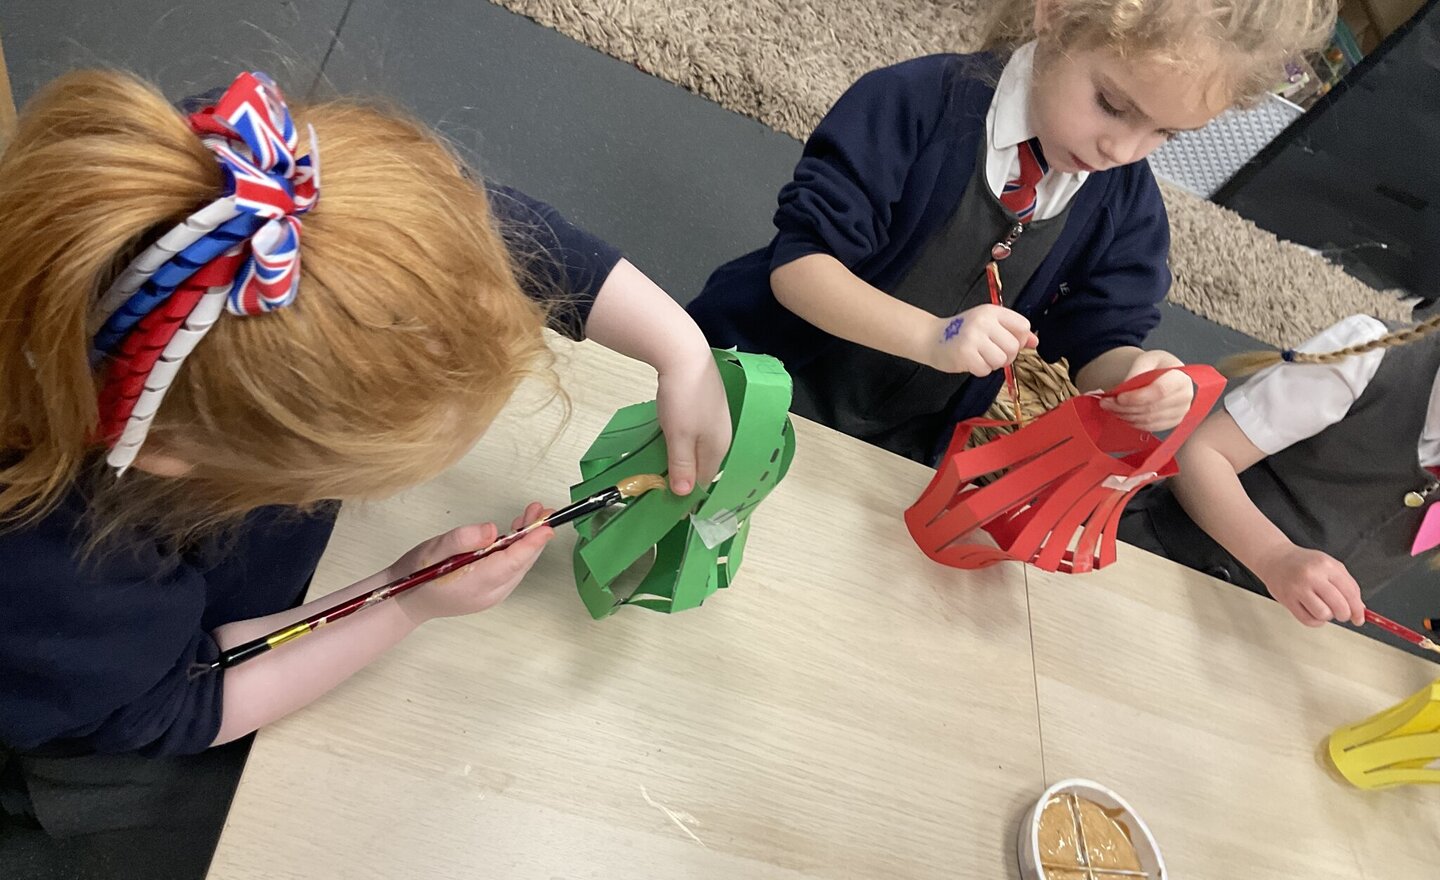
(1061, 483)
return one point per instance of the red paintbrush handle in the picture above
(401, 585)
(1012, 385)
(1394, 628)
(255, 647)
(238, 654)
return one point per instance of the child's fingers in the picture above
(1293, 602)
(1032, 341)
(1111, 404)
(1167, 386)
(1008, 344)
(1335, 603)
(463, 540)
(533, 511)
(710, 452)
(1141, 397)
(992, 355)
(1127, 404)
(1149, 412)
(1349, 590)
(518, 557)
(525, 551)
(1160, 419)
(506, 569)
(1317, 608)
(1300, 613)
(1017, 324)
(1153, 414)
(682, 463)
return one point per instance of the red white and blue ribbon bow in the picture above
(240, 253)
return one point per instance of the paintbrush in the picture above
(1403, 632)
(628, 488)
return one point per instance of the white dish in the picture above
(1028, 838)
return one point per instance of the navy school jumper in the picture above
(94, 657)
(885, 170)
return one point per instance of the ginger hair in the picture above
(409, 331)
(1240, 365)
(1242, 44)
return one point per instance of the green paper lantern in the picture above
(685, 571)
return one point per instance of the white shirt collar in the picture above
(1007, 125)
(1012, 100)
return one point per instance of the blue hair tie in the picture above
(1288, 355)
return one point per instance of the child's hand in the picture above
(1312, 586)
(476, 587)
(695, 416)
(977, 341)
(634, 317)
(1160, 405)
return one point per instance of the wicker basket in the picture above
(1043, 386)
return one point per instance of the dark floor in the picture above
(676, 181)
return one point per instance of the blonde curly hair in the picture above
(1244, 42)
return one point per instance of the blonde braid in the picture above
(1244, 364)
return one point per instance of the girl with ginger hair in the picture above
(244, 335)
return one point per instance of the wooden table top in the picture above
(1204, 706)
(847, 709)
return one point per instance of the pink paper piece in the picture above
(1429, 535)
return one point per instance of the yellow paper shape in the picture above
(1394, 747)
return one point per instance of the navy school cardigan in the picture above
(886, 169)
(95, 656)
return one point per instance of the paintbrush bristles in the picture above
(639, 484)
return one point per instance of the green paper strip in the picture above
(685, 572)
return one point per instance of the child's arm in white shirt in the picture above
(1312, 585)
(1275, 409)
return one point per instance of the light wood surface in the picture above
(1203, 705)
(847, 709)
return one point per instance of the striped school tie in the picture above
(1019, 194)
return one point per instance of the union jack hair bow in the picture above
(240, 253)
